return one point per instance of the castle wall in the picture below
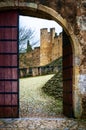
(36, 56)
(30, 59)
(50, 49)
(45, 47)
(50, 46)
(71, 14)
(57, 47)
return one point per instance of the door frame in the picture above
(41, 11)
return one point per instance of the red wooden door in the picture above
(67, 76)
(9, 92)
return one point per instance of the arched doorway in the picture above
(9, 92)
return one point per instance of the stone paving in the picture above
(42, 124)
(37, 119)
(35, 103)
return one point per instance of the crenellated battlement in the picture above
(49, 50)
(50, 46)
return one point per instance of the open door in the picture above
(9, 91)
(67, 76)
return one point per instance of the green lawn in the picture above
(33, 102)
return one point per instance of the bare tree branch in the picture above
(25, 35)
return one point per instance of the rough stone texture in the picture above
(42, 124)
(84, 106)
(67, 8)
(30, 58)
(50, 46)
(75, 13)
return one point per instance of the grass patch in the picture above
(54, 86)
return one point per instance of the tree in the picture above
(29, 48)
(26, 35)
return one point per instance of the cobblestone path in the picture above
(33, 112)
(42, 124)
(34, 103)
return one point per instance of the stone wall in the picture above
(49, 50)
(30, 58)
(57, 47)
(45, 47)
(37, 71)
(71, 14)
(50, 46)
(71, 10)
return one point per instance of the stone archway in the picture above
(40, 11)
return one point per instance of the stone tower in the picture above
(50, 46)
(45, 47)
(46, 43)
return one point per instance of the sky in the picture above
(37, 24)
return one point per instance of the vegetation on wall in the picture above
(57, 62)
(54, 86)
